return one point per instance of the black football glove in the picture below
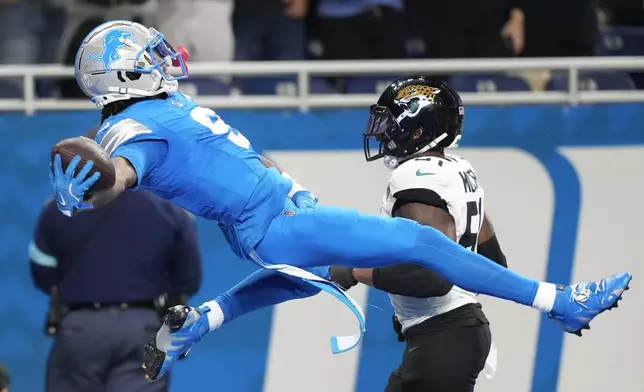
(342, 276)
(398, 328)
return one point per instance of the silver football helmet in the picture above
(121, 60)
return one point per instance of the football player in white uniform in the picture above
(447, 333)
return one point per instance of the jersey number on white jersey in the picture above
(470, 237)
(209, 119)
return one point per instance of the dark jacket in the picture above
(134, 249)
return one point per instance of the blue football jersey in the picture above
(187, 154)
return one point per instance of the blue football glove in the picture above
(301, 197)
(304, 199)
(70, 190)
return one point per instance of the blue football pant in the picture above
(318, 237)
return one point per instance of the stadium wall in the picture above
(564, 189)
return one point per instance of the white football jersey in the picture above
(453, 179)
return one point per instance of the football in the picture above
(88, 150)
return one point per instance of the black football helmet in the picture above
(414, 115)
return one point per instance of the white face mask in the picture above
(390, 162)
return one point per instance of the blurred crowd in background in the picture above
(48, 31)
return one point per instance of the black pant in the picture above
(102, 351)
(444, 355)
(376, 34)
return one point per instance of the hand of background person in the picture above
(514, 31)
(294, 9)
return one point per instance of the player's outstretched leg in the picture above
(184, 326)
(579, 303)
(318, 236)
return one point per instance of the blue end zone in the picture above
(244, 349)
(561, 258)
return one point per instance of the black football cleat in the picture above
(182, 327)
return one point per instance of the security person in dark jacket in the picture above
(109, 273)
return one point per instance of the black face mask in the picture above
(381, 126)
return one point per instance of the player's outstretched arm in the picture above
(489, 245)
(125, 178)
(133, 162)
(409, 280)
(125, 173)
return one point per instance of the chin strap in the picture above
(390, 162)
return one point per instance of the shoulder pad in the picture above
(112, 135)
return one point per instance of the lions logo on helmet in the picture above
(112, 42)
(121, 60)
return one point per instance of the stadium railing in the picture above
(304, 70)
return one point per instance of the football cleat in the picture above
(182, 327)
(577, 305)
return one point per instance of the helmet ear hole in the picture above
(417, 133)
(133, 75)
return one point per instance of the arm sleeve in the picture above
(185, 266)
(261, 289)
(410, 280)
(43, 263)
(144, 156)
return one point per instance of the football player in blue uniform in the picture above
(161, 140)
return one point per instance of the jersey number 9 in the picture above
(209, 119)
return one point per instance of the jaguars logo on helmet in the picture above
(417, 91)
(413, 115)
(414, 98)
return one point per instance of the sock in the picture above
(544, 300)
(215, 316)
